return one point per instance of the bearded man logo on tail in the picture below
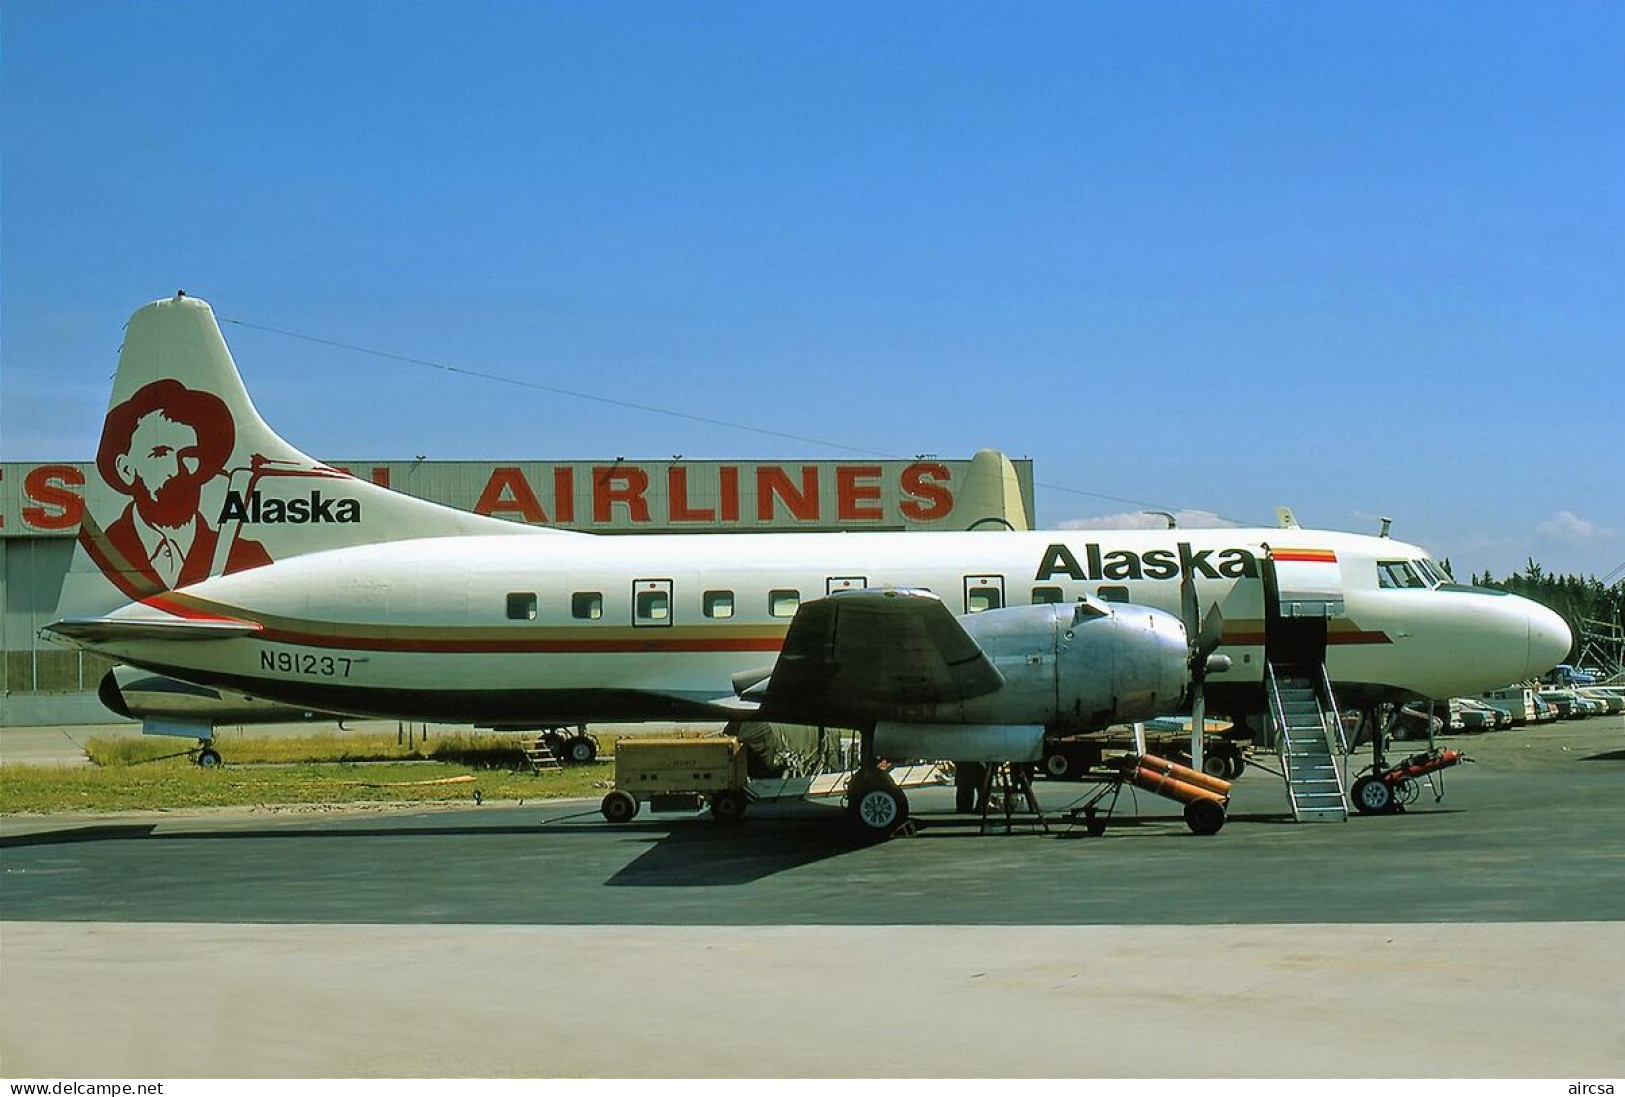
(160, 448)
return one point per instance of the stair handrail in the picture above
(1277, 710)
(1334, 710)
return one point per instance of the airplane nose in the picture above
(1549, 639)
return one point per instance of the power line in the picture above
(519, 382)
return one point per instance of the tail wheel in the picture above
(580, 750)
(208, 758)
(1372, 796)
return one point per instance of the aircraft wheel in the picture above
(619, 806)
(1229, 763)
(878, 809)
(580, 750)
(1204, 816)
(208, 758)
(1059, 765)
(728, 806)
(1372, 796)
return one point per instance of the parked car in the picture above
(1544, 710)
(1479, 716)
(1614, 701)
(1567, 703)
(1414, 723)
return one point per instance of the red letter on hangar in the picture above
(929, 498)
(507, 492)
(772, 482)
(620, 484)
(59, 507)
(856, 501)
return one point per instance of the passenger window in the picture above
(1397, 574)
(1046, 596)
(522, 606)
(981, 599)
(1112, 594)
(587, 605)
(783, 603)
(718, 604)
(651, 602)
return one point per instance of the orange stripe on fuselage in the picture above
(1304, 556)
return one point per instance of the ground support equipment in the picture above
(1379, 793)
(1088, 811)
(1205, 797)
(1008, 788)
(679, 775)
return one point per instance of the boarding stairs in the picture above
(1309, 737)
(538, 754)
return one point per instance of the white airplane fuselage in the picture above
(536, 630)
(297, 584)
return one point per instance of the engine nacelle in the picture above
(1072, 667)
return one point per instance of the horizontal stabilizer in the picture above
(105, 629)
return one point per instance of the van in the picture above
(1519, 701)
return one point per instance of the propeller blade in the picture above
(1210, 634)
(1189, 611)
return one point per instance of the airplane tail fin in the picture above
(190, 482)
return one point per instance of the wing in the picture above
(861, 654)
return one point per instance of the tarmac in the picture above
(1474, 936)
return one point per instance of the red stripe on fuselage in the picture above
(175, 607)
(522, 647)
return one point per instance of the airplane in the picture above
(252, 568)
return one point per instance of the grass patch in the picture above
(176, 784)
(457, 748)
(135, 773)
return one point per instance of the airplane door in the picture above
(844, 582)
(1303, 591)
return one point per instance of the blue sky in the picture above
(1355, 258)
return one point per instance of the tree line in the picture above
(1584, 602)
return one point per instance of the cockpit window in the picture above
(1392, 574)
(1432, 573)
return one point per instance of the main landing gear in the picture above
(875, 806)
(571, 746)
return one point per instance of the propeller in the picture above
(1203, 634)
